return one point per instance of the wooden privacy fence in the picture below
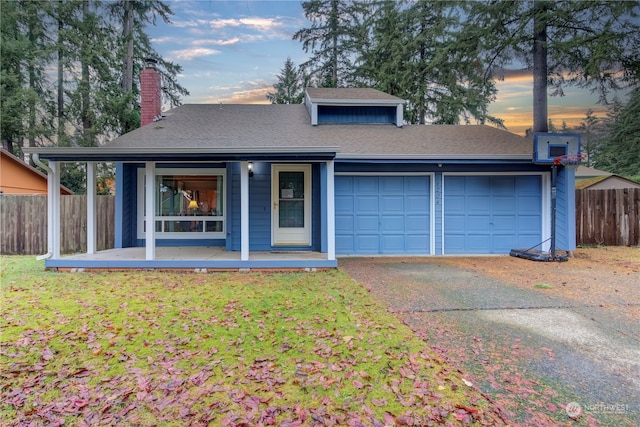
(608, 217)
(603, 217)
(23, 224)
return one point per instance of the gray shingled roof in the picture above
(195, 126)
(352, 94)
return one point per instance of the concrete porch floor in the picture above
(192, 257)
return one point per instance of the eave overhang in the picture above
(133, 154)
(436, 158)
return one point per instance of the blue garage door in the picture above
(382, 215)
(491, 214)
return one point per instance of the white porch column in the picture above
(91, 208)
(331, 212)
(149, 204)
(244, 211)
(54, 194)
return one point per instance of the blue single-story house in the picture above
(296, 186)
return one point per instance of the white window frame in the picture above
(182, 235)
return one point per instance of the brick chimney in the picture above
(150, 93)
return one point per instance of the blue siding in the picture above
(260, 208)
(488, 214)
(383, 214)
(126, 206)
(437, 200)
(356, 114)
(565, 210)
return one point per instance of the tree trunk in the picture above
(60, 110)
(85, 114)
(127, 35)
(540, 119)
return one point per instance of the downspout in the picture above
(36, 159)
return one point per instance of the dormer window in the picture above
(353, 105)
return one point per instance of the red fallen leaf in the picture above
(357, 384)
(460, 417)
(379, 402)
(470, 410)
(47, 354)
(80, 403)
(389, 419)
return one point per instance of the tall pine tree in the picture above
(591, 44)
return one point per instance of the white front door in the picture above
(291, 196)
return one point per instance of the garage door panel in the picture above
(529, 203)
(391, 203)
(366, 204)
(367, 244)
(416, 204)
(344, 243)
(392, 244)
(366, 185)
(477, 223)
(417, 243)
(366, 224)
(344, 204)
(344, 222)
(418, 223)
(392, 223)
(504, 204)
(479, 185)
(493, 215)
(392, 185)
(477, 204)
(391, 214)
(504, 223)
(417, 185)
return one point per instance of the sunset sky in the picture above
(233, 51)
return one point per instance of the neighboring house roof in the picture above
(605, 183)
(18, 177)
(208, 128)
(587, 172)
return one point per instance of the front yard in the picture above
(167, 348)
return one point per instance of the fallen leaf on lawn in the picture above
(467, 383)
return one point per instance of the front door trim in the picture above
(298, 234)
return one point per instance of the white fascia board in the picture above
(172, 150)
(371, 102)
(438, 157)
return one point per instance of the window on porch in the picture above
(190, 204)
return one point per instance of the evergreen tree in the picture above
(330, 39)
(591, 131)
(418, 52)
(590, 44)
(620, 151)
(13, 102)
(290, 86)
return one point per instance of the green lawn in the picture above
(167, 348)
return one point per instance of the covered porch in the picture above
(200, 259)
(151, 252)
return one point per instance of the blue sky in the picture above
(233, 51)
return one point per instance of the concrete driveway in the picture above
(545, 360)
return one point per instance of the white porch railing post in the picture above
(331, 214)
(91, 208)
(149, 196)
(55, 207)
(244, 211)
